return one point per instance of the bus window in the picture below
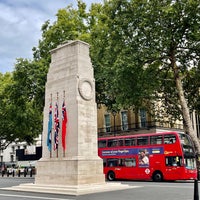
(142, 140)
(130, 162)
(121, 162)
(121, 142)
(102, 143)
(190, 163)
(185, 139)
(104, 162)
(112, 162)
(112, 143)
(169, 139)
(157, 139)
(129, 142)
(187, 149)
(173, 161)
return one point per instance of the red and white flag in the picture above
(64, 125)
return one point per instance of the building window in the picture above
(107, 122)
(143, 118)
(11, 158)
(197, 123)
(124, 116)
(13, 149)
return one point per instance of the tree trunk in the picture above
(188, 123)
(183, 103)
(185, 109)
(186, 115)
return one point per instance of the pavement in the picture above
(74, 190)
(138, 190)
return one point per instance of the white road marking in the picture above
(32, 197)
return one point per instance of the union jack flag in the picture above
(56, 127)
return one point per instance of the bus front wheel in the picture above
(111, 176)
(157, 176)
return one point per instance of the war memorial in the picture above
(70, 162)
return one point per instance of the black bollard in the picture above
(31, 173)
(196, 190)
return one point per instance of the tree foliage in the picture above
(131, 35)
(142, 51)
(149, 50)
(5, 124)
(22, 96)
(70, 25)
(22, 93)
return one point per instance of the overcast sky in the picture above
(20, 25)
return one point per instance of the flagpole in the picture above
(62, 127)
(58, 131)
(63, 152)
(51, 128)
(51, 142)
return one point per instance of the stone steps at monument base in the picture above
(71, 189)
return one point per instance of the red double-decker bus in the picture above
(155, 156)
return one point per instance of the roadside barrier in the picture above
(196, 190)
(17, 173)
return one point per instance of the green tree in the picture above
(26, 99)
(5, 80)
(121, 78)
(192, 85)
(146, 50)
(22, 93)
(70, 25)
(21, 105)
(141, 51)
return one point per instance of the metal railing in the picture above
(135, 127)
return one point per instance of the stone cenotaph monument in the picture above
(70, 78)
(76, 169)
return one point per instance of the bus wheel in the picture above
(111, 176)
(157, 176)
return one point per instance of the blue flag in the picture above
(49, 128)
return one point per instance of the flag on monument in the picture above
(49, 128)
(56, 127)
(64, 125)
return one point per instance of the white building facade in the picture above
(8, 155)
